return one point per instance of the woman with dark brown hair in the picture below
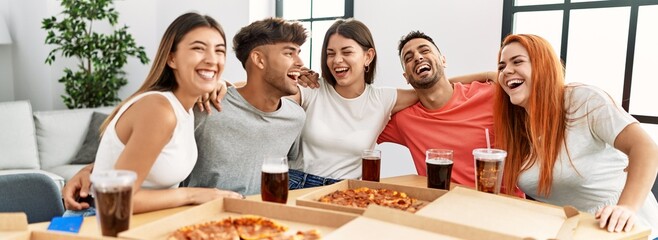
(152, 131)
(565, 141)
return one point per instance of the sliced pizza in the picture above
(245, 227)
(210, 230)
(256, 227)
(363, 196)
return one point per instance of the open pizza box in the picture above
(295, 218)
(470, 212)
(311, 199)
(446, 228)
(331, 224)
(13, 226)
(370, 228)
(379, 222)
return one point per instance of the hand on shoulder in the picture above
(308, 78)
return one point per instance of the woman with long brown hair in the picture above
(565, 141)
(152, 131)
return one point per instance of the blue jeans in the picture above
(91, 211)
(299, 180)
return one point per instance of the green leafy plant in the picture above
(100, 56)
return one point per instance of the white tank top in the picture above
(175, 161)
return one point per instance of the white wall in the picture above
(6, 69)
(6, 74)
(467, 32)
(259, 9)
(32, 79)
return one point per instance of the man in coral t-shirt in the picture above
(448, 115)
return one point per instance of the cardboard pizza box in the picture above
(295, 218)
(311, 199)
(500, 214)
(13, 226)
(370, 228)
(446, 228)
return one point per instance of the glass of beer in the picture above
(370, 164)
(439, 168)
(274, 180)
(489, 169)
(113, 190)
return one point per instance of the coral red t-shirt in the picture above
(459, 125)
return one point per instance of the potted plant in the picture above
(98, 76)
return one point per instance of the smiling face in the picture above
(515, 73)
(423, 64)
(198, 61)
(346, 60)
(282, 66)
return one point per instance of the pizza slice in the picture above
(246, 227)
(313, 234)
(256, 227)
(363, 196)
(210, 230)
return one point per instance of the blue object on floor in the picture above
(66, 224)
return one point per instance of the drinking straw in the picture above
(486, 132)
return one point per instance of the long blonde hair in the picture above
(161, 76)
(535, 134)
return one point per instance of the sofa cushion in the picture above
(60, 134)
(59, 181)
(18, 146)
(87, 153)
(66, 171)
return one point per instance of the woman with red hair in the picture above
(565, 141)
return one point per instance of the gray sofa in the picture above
(43, 141)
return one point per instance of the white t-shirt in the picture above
(175, 161)
(338, 129)
(594, 121)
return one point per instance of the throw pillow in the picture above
(87, 153)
